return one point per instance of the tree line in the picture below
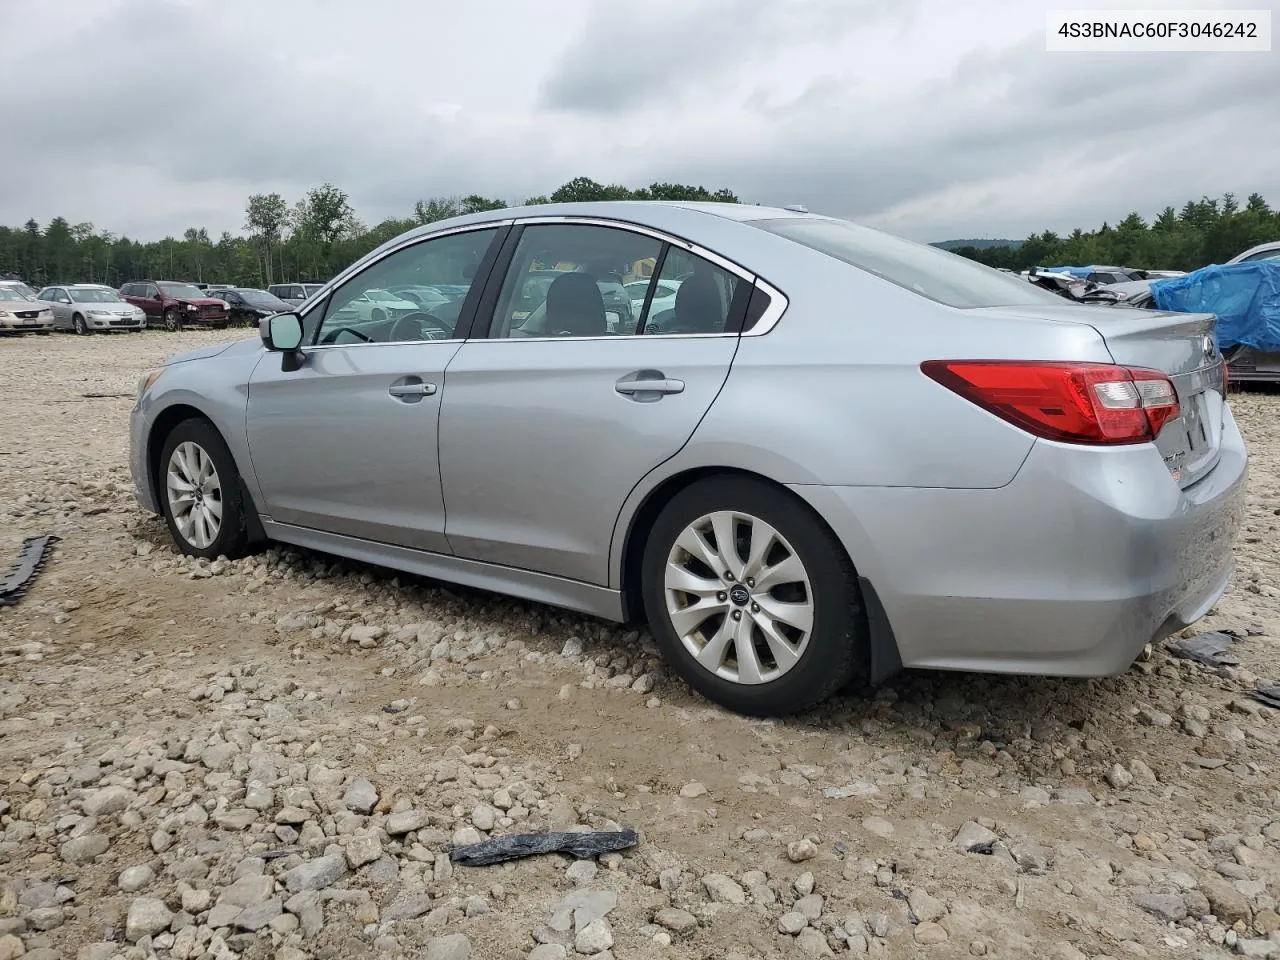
(320, 234)
(310, 240)
(1204, 231)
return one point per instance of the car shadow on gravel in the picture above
(940, 709)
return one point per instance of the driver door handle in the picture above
(411, 391)
(665, 385)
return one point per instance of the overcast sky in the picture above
(931, 118)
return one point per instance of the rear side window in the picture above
(928, 271)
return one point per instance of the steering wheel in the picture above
(414, 326)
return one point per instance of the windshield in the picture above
(260, 298)
(931, 272)
(94, 296)
(8, 292)
(182, 291)
(311, 289)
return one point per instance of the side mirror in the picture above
(157, 296)
(281, 332)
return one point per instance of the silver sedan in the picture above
(90, 307)
(838, 454)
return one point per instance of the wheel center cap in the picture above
(740, 595)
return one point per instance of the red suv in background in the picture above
(175, 304)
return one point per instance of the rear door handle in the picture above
(663, 386)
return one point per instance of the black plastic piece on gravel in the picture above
(31, 558)
(517, 845)
(1210, 648)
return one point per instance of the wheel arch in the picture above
(164, 423)
(886, 660)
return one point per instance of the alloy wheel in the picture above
(195, 494)
(739, 597)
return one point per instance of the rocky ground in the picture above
(268, 758)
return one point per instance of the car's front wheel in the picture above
(172, 320)
(200, 492)
(751, 599)
(78, 325)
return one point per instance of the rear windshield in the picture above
(926, 270)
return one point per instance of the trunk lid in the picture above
(1183, 347)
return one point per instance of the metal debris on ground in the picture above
(31, 558)
(1267, 692)
(516, 845)
(1207, 648)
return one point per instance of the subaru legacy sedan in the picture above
(836, 454)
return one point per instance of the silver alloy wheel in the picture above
(195, 494)
(739, 597)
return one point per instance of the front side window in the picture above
(362, 310)
(569, 280)
(928, 271)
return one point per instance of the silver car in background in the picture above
(839, 453)
(91, 308)
(20, 313)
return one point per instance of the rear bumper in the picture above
(1069, 570)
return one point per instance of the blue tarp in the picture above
(1080, 272)
(1245, 297)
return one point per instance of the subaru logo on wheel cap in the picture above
(739, 595)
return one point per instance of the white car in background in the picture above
(664, 295)
(1263, 251)
(91, 307)
(378, 305)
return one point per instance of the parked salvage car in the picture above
(790, 491)
(17, 286)
(175, 305)
(22, 314)
(1263, 251)
(1245, 363)
(90, 307)
(246, 305)
(295, 294)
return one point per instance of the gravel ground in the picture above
(266, 758)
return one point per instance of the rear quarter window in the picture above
(927, 271)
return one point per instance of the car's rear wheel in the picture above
(199, 488)
(751, 598)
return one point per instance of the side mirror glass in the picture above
(281, 332)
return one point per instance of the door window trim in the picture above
(479, 284)
(778, 301)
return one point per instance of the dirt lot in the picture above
(266, 758)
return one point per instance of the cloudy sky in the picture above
(931, 118)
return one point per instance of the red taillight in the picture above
(1098, 403)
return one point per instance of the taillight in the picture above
(1097, 403)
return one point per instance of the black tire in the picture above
(232, 539)
(78, 325)
(173, 320)
(838, 648)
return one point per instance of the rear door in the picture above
(549, 420)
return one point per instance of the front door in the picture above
(551, 419)
(347, 443)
